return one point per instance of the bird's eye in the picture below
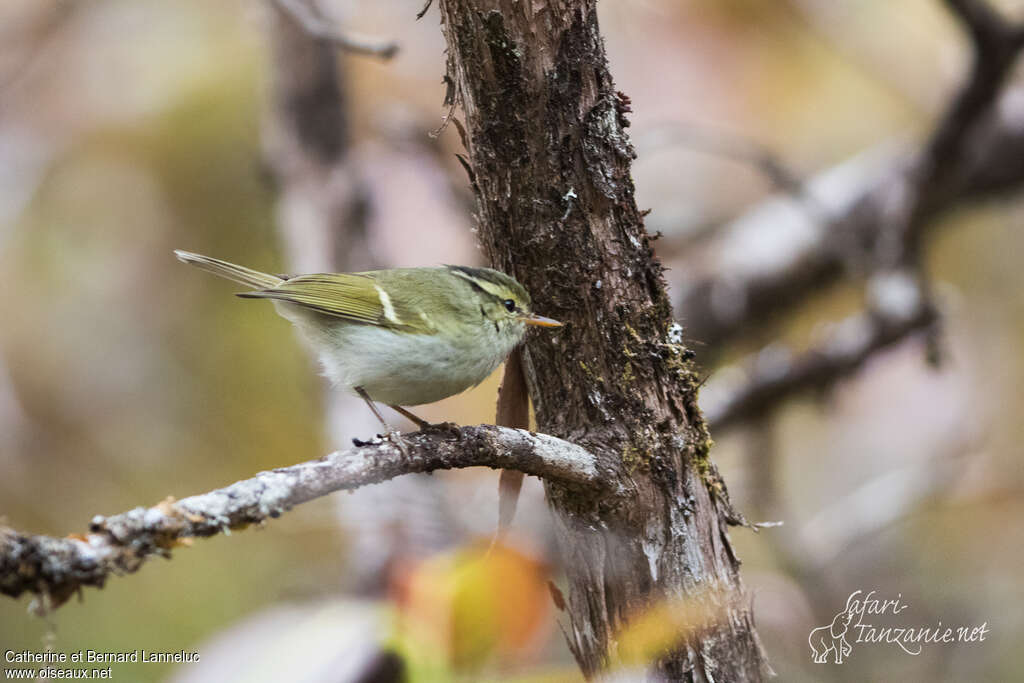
(510, 305)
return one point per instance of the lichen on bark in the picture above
(550, 160)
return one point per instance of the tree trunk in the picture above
(550, 162)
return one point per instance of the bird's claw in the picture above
(449, 427)
(395, 437)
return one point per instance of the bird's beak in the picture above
(541, 321)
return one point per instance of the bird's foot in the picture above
(395, 437)
(423, 425)
(392, 435)
(445, 427)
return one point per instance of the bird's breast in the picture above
(410, 369)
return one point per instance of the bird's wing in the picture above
(357, 297)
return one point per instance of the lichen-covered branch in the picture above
(55, 568)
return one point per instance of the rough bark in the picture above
(550, 163)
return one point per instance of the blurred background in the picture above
(129, 128)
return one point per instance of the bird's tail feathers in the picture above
(231, 271)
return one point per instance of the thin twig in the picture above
(423, 11)
(55, 568)
(317, 27)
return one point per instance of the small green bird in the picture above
(402, 337)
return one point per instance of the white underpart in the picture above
(403, 368)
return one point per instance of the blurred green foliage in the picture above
(140, 378)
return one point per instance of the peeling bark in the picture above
(550, 161)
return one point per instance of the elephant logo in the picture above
(832, 638)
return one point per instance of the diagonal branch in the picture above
(984, 23)
(774, 258)
(318, 28)
(901, 308)
(55, 568)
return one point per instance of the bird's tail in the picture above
(246, 276)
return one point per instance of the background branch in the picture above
(55, 568)
(317, 27)
(973, 152)
(900, 309)
(729, 146)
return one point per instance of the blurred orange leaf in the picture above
(469, 605)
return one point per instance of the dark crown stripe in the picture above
(472, 275)
(482, 274)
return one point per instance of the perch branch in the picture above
(55, 568)
(304, 15)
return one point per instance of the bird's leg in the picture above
(392, 434)
(423, 424)
(373, 406)
(419, 421)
